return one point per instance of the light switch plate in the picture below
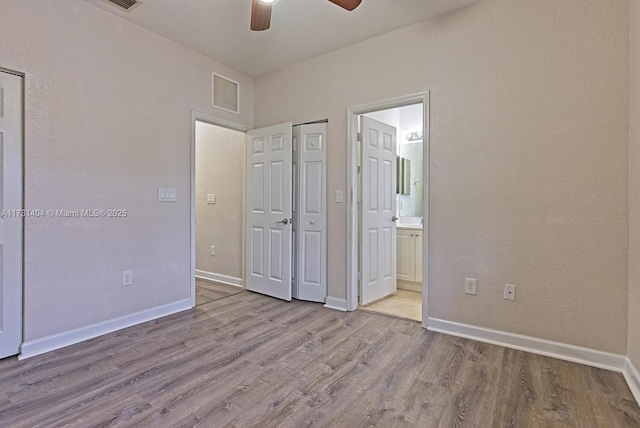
(166, 195)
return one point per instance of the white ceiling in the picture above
(300, 29)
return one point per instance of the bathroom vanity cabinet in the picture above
(409, 259)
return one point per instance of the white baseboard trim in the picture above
(562, 351)
(223, 279)
(411, 286)
(337, 304)
(61, 340)
(632, 377)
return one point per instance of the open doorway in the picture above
(217, 209)
(404, 299)
(402, 226)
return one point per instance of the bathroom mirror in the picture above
(410, 196)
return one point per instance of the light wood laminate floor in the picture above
(249, 360)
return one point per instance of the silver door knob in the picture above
(284, 221)
(394, 218)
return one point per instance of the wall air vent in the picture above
(225, 93)
(126, 5)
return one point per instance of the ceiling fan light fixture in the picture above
(261, 11)
(260, 15)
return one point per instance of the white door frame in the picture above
(21, 274)
(352, 185)
(212, 120)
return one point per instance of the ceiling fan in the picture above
(261, 11)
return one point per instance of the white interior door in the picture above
(11, 219)
(378, 210)
(310, 212)
(268, 233)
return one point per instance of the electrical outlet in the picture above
(127, 278)
(470, 286)
(510, 292)
(213, 250)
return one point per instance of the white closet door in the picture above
(11, 220)
(379, 210)
(311, 212)
(268, 233)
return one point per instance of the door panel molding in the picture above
(310, 212)
(272, 155)
(379, 203)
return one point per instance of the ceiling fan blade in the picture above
(260, 15)
(347, 4)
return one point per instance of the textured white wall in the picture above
(634, 186)
(108, 109)
(220, 156)
(529, 156)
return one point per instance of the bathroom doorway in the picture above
(405, 232)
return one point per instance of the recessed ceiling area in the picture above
(300, 29)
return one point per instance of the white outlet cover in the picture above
(470, 286)
(127, 278)
(510, 292)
